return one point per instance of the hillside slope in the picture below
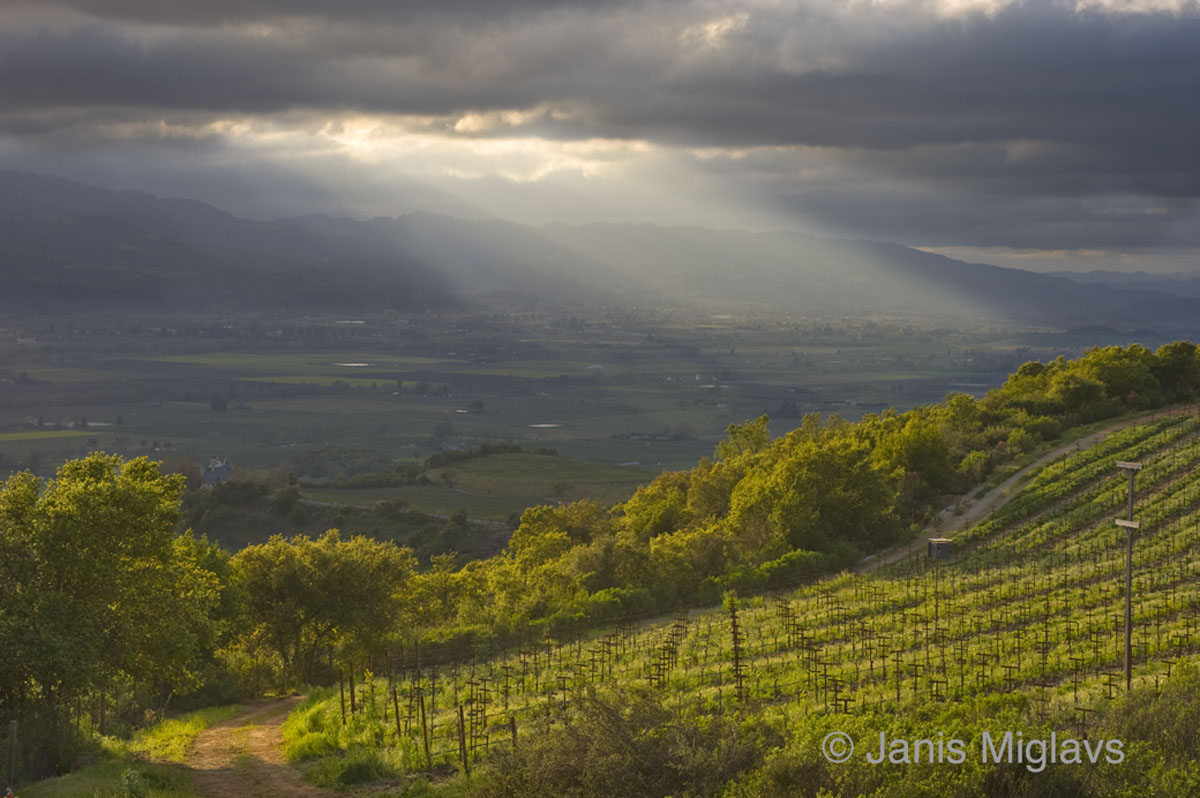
(65, 246)
(731, 269)
(1024, 618)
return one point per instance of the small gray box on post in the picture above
(941, 548)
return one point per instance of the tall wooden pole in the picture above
(1129, 590)
(462, 741)
(1130, 526)
(425, 731)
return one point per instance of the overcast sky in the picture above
(1041, 134)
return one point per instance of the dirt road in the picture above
(243, 756)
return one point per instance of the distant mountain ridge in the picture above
(722, 268)
(65, 245)
(1178, 284)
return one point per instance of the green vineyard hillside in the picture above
(1026, 616)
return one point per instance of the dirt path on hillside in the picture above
(243, 756)
(974, 510)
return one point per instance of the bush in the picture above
(627, 743)
(237, 492)
(132, 785)
(310, 746)
(976, 466)
(359, 765)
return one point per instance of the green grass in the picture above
(495, 487)
(339, 755)
(435, 499)
(540, 469)
(323, 362)
(106, 779)
(74, 375)
(169, 740)
(545, 478)
(320, 379)
(141, 761)
(37, 435)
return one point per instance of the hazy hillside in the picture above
(481, 258)
(1179, 284)
(831, 276)
(66, 246)
(740, 270)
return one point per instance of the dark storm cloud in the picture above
(207, 12)
(1034, 72)
(1022, 127)
(1034, 222)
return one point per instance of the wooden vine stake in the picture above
(342, 693)
(462, 741)
(739, 672)
(425, 732)
(396, 705)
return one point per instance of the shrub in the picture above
(627, 743)
(357, 766)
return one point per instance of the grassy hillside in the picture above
(1022, 627)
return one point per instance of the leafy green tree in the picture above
(306, 596)
(744, 439)
(817, 487)
(96, 586)
(1077, 394)
(658, 507)
(917, 447)
(976, 466)
(580, 521)
(709, 488)
(433, 596)
(1177, 369)
(1031, 368)
(1127, 374)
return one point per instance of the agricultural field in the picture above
(609, 389)
(1029, 607)
(497, 486)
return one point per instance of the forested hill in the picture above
(65, 246)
